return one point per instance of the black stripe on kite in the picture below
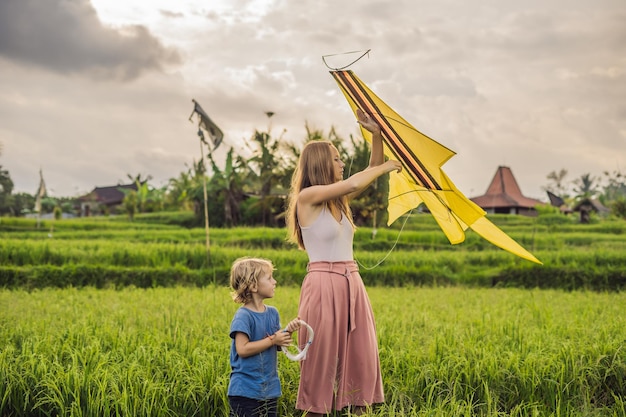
(404, 154)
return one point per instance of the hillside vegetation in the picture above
(156, 250)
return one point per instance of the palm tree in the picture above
(139, 178)
(558, 188)
(142, 195)
(266, 172)
(199, 193)
(179, 192)
(227, 186)
(586, 186)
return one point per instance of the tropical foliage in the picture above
(611, 191)
(253, 190)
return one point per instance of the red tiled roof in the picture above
(504, 192)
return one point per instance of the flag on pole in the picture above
(205, 122)
(41, 193)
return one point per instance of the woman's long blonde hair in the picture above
(315, 167)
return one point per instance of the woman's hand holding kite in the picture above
(283, 337)
(367, 122)
(293, 326)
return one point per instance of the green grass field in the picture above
(105, 317)
(444, 352)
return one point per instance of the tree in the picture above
(48, 204)
(143, 192)
(614, 193)
(6, 188)
(186, 192)
(156, 199)
(130, 203)
(139, 178)
(227, 186)
(586, 186)
(332, 136)
(618, 207)
(265, 174)
(181, 191)
(558, 187)
(615, 187)
(22, 203)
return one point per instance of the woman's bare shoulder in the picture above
(308, 213)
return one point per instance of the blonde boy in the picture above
(256, 334)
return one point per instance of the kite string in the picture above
(301, 355)
(394, 243)
(390, 250)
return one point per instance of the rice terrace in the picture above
(107, 317)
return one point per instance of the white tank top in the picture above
(328, 240)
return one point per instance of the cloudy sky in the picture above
(92, 91)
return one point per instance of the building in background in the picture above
(104, 200)
(504, 196)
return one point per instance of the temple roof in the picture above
(504, 192)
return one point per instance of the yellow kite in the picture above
(422, 180)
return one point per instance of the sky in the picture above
(94, 91)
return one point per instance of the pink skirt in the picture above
(342, 366)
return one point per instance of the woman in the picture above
(342, 367)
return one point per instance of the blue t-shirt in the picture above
(255, 376)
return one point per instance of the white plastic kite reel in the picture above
(301, 355)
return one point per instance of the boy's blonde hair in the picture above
(244, 275)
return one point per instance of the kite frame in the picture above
(344, 53)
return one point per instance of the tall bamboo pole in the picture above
(206, 203)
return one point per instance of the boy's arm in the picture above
(246, 348)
